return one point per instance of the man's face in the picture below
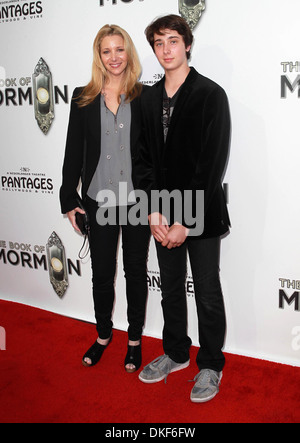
(170, 50)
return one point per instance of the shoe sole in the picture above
(157, 380)
(130, 371)
(203, 400)
(85, 364)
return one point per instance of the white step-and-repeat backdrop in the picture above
(252, 50)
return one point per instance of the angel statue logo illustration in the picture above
(191, 11)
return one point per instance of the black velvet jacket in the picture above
(83, 147)
(195, 154)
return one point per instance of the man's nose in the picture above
(166, 48)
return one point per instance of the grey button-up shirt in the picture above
(114, 166)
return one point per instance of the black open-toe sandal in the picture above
(94, 353)
(133, 357)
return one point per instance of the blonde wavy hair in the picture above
(130, 86)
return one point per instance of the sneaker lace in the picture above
(160, 362)
(205, 377)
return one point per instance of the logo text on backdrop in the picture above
(293, 299)
(33, 257)
(288, 84)
(115, 2)
(13, 11)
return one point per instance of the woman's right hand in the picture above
(71, 216)
(159, 226)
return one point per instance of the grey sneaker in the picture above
(160, 368)
(207, 386)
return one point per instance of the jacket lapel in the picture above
(184, 94)
(93, 121)
(135, 125)
(157, 112)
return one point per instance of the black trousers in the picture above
(104, 242)
(204, 257)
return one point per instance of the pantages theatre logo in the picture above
(36, 90)
(16, 10)
(27, 181)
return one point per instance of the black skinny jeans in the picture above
(204, 258)
(104, 245)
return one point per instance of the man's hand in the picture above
(159, 226)
(176, 236)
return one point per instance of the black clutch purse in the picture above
(82, 220)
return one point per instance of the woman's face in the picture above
(113, 55)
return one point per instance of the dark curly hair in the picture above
(174, 23)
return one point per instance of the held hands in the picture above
(71, 216)
(176, 236)
(159, 226)
(168, 237)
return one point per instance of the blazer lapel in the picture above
(93, 121)
(135, 125)
(184, 94)
(157, 109)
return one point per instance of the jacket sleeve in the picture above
(215, 142)
(73, 160)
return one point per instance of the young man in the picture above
(186, 142)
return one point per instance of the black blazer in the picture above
(195, 154)
(83, 147)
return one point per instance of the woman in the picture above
(101, 148)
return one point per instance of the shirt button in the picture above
(122, 148)
(110, 182)
(121, 126)
(108, 157)
(121, 172)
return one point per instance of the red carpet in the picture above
(42, 380)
